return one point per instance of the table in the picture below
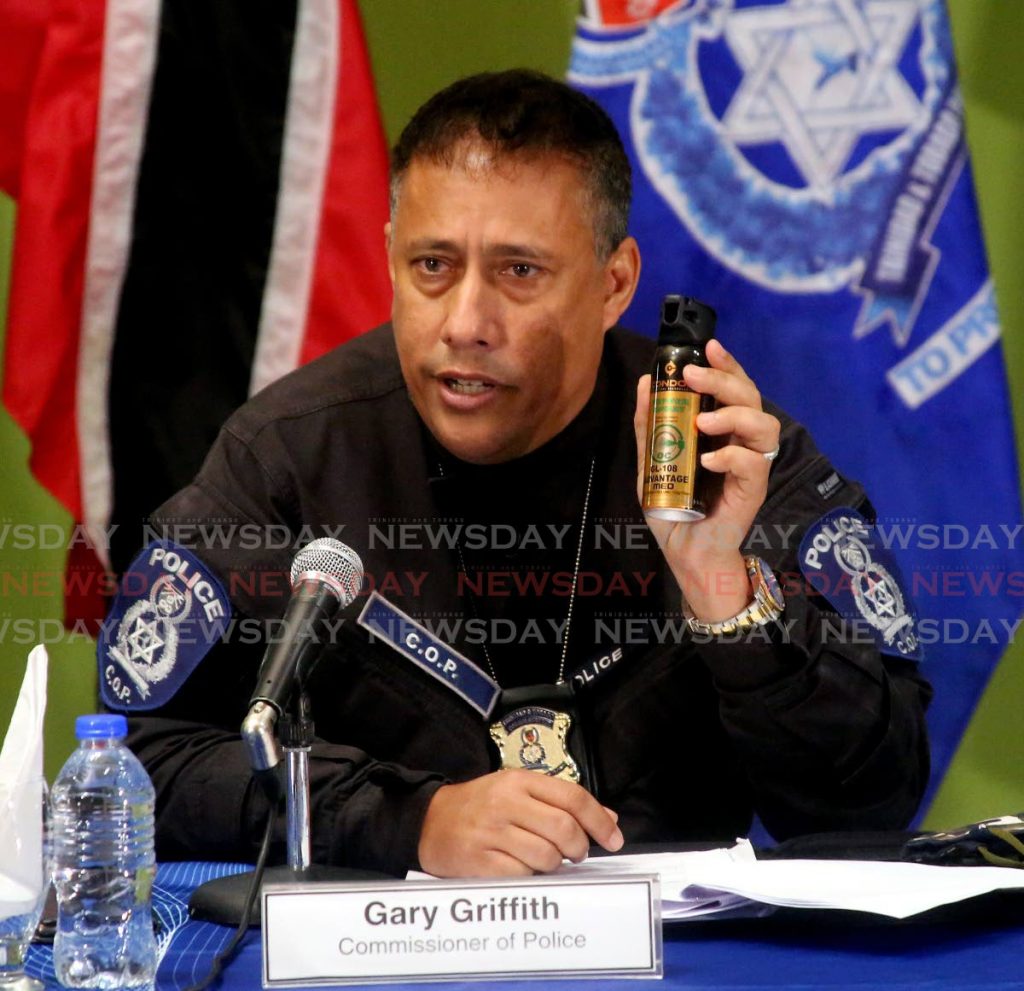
(981, 950)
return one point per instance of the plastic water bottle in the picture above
(103, 861)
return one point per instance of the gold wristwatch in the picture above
(767, 606)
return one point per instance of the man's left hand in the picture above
(705, 556)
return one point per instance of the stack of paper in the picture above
(731, 881)
(681, 896)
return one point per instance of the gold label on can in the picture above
(670, 472)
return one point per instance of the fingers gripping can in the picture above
(676, 487)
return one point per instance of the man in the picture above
(481, 454)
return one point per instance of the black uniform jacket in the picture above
(809, 729)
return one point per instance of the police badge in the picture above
(540, 731)
(534, 738)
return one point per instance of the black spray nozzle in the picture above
(685, 320)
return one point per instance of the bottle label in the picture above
(670, 472)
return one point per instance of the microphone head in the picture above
(329, 562)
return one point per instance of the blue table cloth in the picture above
(983, 951)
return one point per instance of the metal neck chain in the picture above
(572, 592)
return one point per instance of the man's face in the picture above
(501, 303)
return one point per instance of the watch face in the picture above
(770, 583)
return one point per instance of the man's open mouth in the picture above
(468, 387)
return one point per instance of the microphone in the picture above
(325, 577)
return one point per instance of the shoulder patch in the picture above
(169, 611)
(841, 559)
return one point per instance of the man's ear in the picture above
(387, 251)
(621, 275)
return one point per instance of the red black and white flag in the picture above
(201, 193)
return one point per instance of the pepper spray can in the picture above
(676, 486)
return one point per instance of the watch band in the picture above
(768, 604)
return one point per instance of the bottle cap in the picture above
(102, 726)
(685, 320)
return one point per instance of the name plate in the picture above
(548, 927)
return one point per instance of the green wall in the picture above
(419, 45)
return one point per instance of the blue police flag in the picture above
(800, 165)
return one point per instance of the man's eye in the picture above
(522, 270)
(433, 266)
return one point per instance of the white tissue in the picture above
(21, 823)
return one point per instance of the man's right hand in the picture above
(512, 822)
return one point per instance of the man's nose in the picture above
(473, 319)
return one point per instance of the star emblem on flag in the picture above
(817, 76)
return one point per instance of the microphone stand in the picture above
(296, 741)
(222, 900)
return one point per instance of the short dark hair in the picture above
(521, 111)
